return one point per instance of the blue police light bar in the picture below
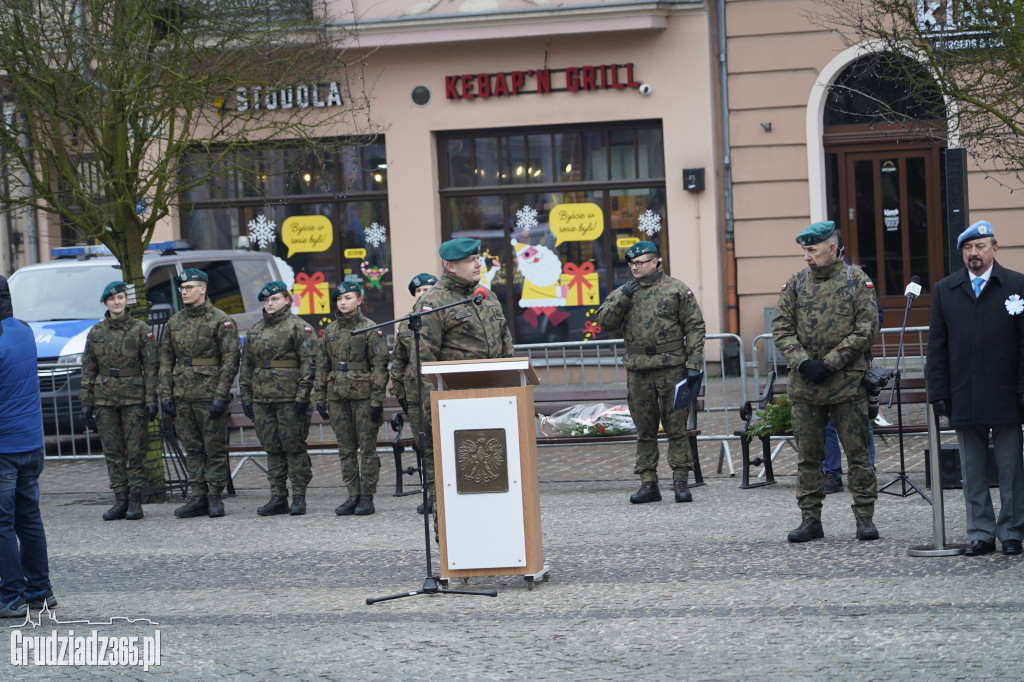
(86, 251)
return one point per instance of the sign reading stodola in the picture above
(540, 81)
(298, 96)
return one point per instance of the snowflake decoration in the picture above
(376, 234)
(649, 223)
(1014, 305)
(526, 219)
(262, 231)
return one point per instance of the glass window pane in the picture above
(486, 155)
(595, 156)
(893, 225)
(461, 169)
(651, 153)
(867, 242)
(635, 215)
(917, 219)
(513, 160)
(569, 157)
(212, 228)
(540, 169)
(623, 155)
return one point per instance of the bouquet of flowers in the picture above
(774, 420)
(589, 420)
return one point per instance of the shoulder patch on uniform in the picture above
(425, 308)
(785, 286)
(869, 285)
(689, 293)
(380, 333)
(149, 335)
(228, 323)
(307, 329)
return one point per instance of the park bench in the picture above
(912, 393)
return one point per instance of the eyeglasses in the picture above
(634, 264)
(189, 287)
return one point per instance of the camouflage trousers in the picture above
(649, 394)
(124, 433)
(428, 432)
(851, 419)
(283, 436)
(204, 439)
(357, 445)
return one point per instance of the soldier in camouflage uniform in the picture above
(119, 368)
(278, 367)
(198, 361)
(467, 332)
(825, 322)
(351, 382)
(664, 333)
(403, 369)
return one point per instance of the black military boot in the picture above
(348, 506)
(298, 505)
(809, 529)
(866, 528)
(682, 491)
(429, 507)
(648, 492)
(276, 505)
(216, 504)
(198, 505)
(134, 512)
(365, 506)
(119, 509)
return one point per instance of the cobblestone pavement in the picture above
(707, 591)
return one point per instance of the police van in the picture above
(61, 301)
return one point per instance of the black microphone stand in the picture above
(907, 486)
(432, 583)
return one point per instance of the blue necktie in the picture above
(978, 282)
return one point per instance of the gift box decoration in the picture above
(581, 282)
(312, 293)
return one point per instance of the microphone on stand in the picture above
(914, 288)
(481, 293)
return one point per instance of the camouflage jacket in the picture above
(662, 323)
(205, 333)
(363, 358)
(403, 361)
(278, 360)
(465, 332)
(818, 318)
(116, 346)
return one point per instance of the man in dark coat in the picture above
(976, 378)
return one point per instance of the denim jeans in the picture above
(834, 456)
(24, 566)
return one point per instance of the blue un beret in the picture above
(816, 233)
(111, 289)
(459, 248)
(980, 229)
(192, 275)
(346, 287)
(639, 249)
(271, 288)
(421, 280)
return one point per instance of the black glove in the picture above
(152, 411)
(692, 374)
(301, 409)
(630, 287)
(247, 411)
(815, 371)
(376, 414)
(168, 407)
(322, 409)
(217, 409)
(941, 407)
(89, 417)
(405, 404)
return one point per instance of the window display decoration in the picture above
(376, 234)
(580, 284)
(373, 274)
(312, 291)
(490, 266)
(649, 223)
(262, 231)
(526, 220)
(590, 330)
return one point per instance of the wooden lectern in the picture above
(485, 468)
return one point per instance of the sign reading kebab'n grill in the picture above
(540, 81)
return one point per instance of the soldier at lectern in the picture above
(466, 332)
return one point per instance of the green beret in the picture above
(816, 233)
(459, 248)
(639, 249)
(271, 288)
(111, 289)
(192, 275)
(423, 279)
(346, 287)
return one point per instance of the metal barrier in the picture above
(64, 434)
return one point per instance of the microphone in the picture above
(481, 293)
(914, 288)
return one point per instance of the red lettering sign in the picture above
(544, 81)
(483, 84)
(467, 87)
(572, 82)
(500, 86)
(518, 80)
(451, 87)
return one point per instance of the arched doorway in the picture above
(883, 169)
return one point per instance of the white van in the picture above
(61, 301)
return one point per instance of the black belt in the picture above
(652, 350)
(118, 372)
(270, 364)
(198, 362)
(346, 366)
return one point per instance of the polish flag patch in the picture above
(784, 286)
(869, 284)
(228, 323)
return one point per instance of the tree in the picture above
(103, 97)
(973, 57)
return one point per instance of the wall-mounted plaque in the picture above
(481, 461)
